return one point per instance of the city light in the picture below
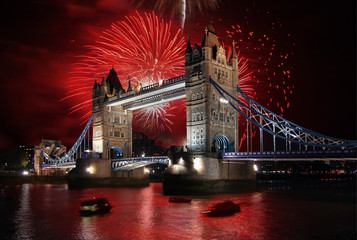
(25, 173)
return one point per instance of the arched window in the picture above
(198, 96)
(193, 117)
(198, 116)
(201, 115)
(116, 119)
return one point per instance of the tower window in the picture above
(116, 134)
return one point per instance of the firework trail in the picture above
(179, 8)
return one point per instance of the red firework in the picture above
(146, 49)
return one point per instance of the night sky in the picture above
(41, 39)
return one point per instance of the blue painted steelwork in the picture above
(349, 154)
(223, 144)
(278, 126)
(118, 152)
(119, 163)
(67, 156)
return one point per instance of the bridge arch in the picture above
(223, 144)
(116, 152)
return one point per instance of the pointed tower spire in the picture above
(95, 82)
(188, 48)
(234, 54)
(103, 80)
(129, 85)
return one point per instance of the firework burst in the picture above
(267, 49)
(144, 48)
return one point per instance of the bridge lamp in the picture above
(223, 100)
(143, 155)
(146, 171)
(197, 164)
(25, 173)
(90, 170)
(255, 167)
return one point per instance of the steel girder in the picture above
(67, 156)
(278, 126)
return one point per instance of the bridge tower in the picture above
(112, 126)
(211, 122)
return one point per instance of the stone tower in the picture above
(208, 116)
(112, 126)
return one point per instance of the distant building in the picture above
(143, 145)
(30, 153)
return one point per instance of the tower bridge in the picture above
(210, 87)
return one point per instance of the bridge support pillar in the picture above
(204, 173)
(238, 170)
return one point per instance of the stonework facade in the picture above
(207, 116)
(53, 148)
(112, 126)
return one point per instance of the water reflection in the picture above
(51, 212)
(23, 217)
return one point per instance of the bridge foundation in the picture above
(98, 172)
(205, 172)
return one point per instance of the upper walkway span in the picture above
(169, 90)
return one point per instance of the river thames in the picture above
(50, 211)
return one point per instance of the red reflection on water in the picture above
(144, 213)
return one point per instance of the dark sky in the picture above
(41, 39)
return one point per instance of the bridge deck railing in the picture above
(148, 88)
(293, 154)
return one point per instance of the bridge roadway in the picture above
(127, 164)
(169, 90)
(326, 155)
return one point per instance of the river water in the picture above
(50, 211)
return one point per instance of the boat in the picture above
(225, 208)
(179, 200)
(95, 206)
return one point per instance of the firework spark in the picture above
(145, 48)
(267, 52)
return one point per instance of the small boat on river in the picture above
(95, 206)
(225, 208)
(179, 200)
